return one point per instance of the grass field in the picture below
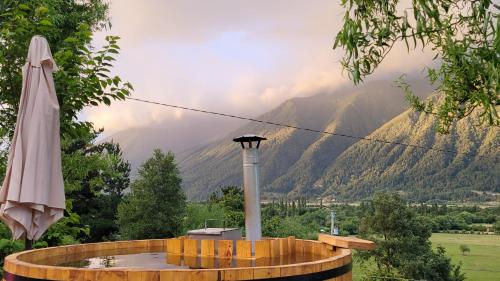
(483, 261)
(481, 264)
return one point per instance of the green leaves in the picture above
(402, 239)
(463, 34)
(83, 80)
(144, 212)
(84, 77)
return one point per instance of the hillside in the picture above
(421, 174)
(293, 160)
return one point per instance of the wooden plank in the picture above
(111, 275)
(243, 249)
(260, 262)
(207, 262)
(202, 275)
(245, 262)
(154, 244)
(134, 275)
(347, 242)
(208, 248)
(225, 248)
(308, 246)
(37, 271)
(174, 259)
(190, 247)
(291, 244)
(262, 249)
(237, 274)
(266, 272)
(174, 246)
(172, 275)
(290, 270)
(148, 276)
(317, 248)
(299, 247)
(191, 261)
(275, 248)
(56, 273)
(224, 262)
(90, 275)
(283, 246)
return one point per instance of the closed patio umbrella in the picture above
(32, 194)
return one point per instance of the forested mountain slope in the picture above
(421, 174)
(293, 160)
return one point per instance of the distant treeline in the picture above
(305, 217)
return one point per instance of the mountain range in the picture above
(303, 163)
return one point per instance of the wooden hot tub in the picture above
(277, 259)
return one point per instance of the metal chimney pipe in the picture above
(251, 179)
(332, 222)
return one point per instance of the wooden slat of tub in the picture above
(174, 246)
(275, 248)
(243, 262)
(283, 246)
(89, 275)
(224, 262)
(203, 275)
(134, 275)
(225, 248)
(191, 261)
(174, 259)
(317, 249)
(308, 246)
(188, 275)
(79, 275)
(207, 262)
(21, 268)
(190, 247)
(58, 273)
(208, 248)
(37, 271)
(262, 249)
(299, 247)
(243, 249)
(148, 276)
(156, 243)
(172, 275)
(111, 275)
(291, 244)
(237, 274)
(266, 272)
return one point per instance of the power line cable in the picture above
(307, 129)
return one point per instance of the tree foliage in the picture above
(230, 200)
(402, 239)
(496, 226)
(156, 205)
(83, 78)
(92, 173)
(96, 177)
(463, 34)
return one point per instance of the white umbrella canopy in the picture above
(32, 194)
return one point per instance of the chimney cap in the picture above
(249, 138)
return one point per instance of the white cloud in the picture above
(240, 57)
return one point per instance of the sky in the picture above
(239, 57)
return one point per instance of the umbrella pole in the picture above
(28, 244)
